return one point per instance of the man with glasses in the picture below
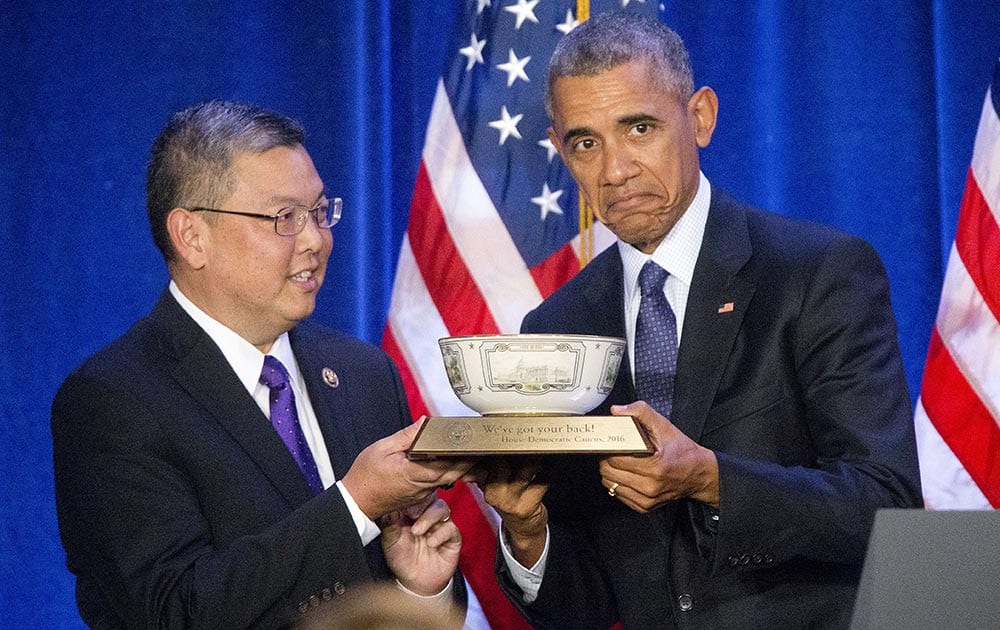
(225, 464)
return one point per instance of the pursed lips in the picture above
(629, 201)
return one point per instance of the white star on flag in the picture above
(567, 26)
(548, 201)
(625, 2)
(507, 125)
(474, 51)
(524, 10)
(549, 148)
(514, 67)
(482, 5)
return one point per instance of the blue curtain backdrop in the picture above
(861, 115)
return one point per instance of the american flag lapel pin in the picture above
(726, 308)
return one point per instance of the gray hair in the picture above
(609, 40)
(191, 160)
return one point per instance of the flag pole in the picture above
(586, 252)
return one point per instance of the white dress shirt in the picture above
(678, 254)
(247, 362)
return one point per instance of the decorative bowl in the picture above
(532, 375)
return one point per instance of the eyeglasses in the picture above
(291, 220)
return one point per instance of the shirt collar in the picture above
(243, 357)
(678, 252)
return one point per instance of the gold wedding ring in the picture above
(613, 489)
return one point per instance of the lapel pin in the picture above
(330, 377)
(726, 308)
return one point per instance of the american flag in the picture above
(494, 224)
(958, 413)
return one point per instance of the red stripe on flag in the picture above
(960, 417)
(476, 561)
(416, 401)
(449, 283)
(977, 239)
(551, 273)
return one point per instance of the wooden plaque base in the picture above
(471, 436)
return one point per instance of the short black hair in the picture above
(609, 40)
(191, 158)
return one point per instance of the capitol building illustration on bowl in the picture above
(538, 377)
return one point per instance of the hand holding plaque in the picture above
(532, 392)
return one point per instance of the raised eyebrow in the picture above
(576, 132)
(624, 121)
(635, 119)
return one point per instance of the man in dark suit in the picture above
(223, 464)
(764, 350)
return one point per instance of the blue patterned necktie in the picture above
(285, 420)
(655, 342)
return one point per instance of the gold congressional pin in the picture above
(330, 377)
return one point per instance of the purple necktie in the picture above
(655, 342)
(285, 420)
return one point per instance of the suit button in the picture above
(339, 588)
(313, 601)
(757, 558)
(744, 560)
(733, 560)
(326, 595)
(685, 602)
(303, 608)
(768, 558)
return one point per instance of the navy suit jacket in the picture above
(789, 370)
(180, 507)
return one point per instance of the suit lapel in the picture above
(202, 370)
(604, 295)
(716, 305)
(327, 400)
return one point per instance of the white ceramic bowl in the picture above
(552, 375)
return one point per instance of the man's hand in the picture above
(679, 468)
(383, 480)
(421, 546)
(516, 495)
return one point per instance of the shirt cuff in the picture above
(529, 580)
(367, 529)
(440, 604)
(444, 594)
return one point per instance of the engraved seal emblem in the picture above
(458, 433)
